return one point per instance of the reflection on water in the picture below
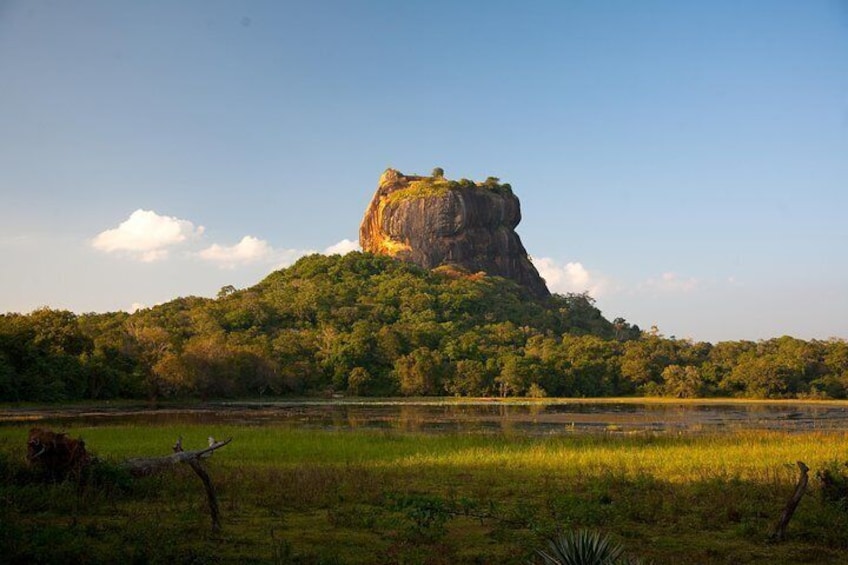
(530, 418)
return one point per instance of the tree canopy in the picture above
(369, 325)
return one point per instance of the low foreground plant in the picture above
(584, 547)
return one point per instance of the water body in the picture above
(530, 418)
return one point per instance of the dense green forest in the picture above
(367, 325)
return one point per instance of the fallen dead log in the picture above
(62, 457)
(146, 466)
(779, 533)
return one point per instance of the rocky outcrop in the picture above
(433, 222)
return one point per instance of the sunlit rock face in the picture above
(433, 222)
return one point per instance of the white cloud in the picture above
(252, 250)
(343, 247)
(135, 307)
(249, 250)
(286, 257)
(571, 277)
(672, 282)
(146, 235)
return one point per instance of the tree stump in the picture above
(779, 533)
(56, 453)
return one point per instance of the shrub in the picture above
(834, 484)
(583, 547)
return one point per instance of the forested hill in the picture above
(362, 324)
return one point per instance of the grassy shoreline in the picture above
(311, 496)
(18, 407)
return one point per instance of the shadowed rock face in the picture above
(433, 222)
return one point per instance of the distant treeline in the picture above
(373, 326)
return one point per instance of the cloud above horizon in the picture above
(252, 250)
(672, 282)
(146, 236)
(343, 247)
(571, 277)
(249, 250)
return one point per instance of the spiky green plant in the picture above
(582, 547)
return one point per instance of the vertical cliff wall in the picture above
(431, 221)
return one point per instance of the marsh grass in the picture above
(297, 496)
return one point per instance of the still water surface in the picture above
(532, 418)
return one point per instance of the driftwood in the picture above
(143, 467)
(779, 533)
(62, 457)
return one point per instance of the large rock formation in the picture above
(431, 221)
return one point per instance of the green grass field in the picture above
(290, 496)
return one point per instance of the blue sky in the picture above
(687, 163)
